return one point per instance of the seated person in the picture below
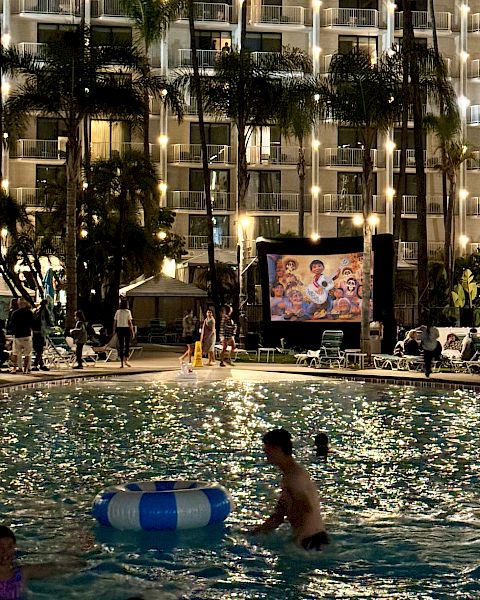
(410, 345)
(399, 348)
(453, 342)
(468, 345)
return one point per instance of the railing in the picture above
(348, 157)
(408, 251)
(47, 149)
(421, 20)
(33, 49)
(284, 15)
(105, 150)
(35, 197)
(473, 247)
(473, 164)
(277, 202)
(435, 250)
(47, 7)
(56, 245)
(262, 58)
(431, 161)
(209, 11)
(275, 155)
(349, 203)
(474, 22)
(188, 153)
(206, 58)
(196, 242)
(434, 205)
(196, 200)
(350, 17)
(473, 115)
(108, 8)
(473, 206)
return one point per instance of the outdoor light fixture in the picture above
(315, 144)
(161, 235)
(316, 3)
(390, 193)
(373, 220)
(5, 88)
(244, 222)
(162, 186)
(5, 135)
(464, 56)
(357, 220)
(85, 185)
(315, 190)
(163, 140)
(6, 39)
(390, 146)
(463, 240)
(164, 92)
(463, 103)
(83, 233)
(463, 194)
(315, 237)
(464, 9)
(391, 7)
(5, 184)
(316, 97)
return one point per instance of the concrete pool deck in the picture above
(155, 359)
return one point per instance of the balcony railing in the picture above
(434, 205)
(192, 153)
(46, 149)
(47, 7)
(435, 250)
(196, 200)
(431, 161)
(210, 11)
(105, 150)
(275, 155)
(35, 197)
(408, 251)
(421, 20)
(473, 247)
(206, 58)
(473, 115)
(108, 8)
(349, 203)
(33, 49)
(277, 202)
(473, 206)
(350, 17)
(283, 15)
(196, 242)
(473, 164)
(56, 245)
(348, 157)
(474, 23)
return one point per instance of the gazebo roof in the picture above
(162, 285)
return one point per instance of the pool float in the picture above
(162, 505)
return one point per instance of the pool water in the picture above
(399, 489)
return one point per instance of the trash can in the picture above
(252, 340)
(376, 336)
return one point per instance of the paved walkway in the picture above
(156, 359)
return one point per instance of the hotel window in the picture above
(267, 226)
(351, 183)
(48, 32)
(349, 137)
(50, 128)
(50, 176)
(264, 42)
(359, 4)
(346, 228)
(215, 134)
(414, 5)
(111, 36)
(219, 180)
(108, 138)
(198, 227)
(347, 43)
(213, 40)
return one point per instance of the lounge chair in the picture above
(331, 354)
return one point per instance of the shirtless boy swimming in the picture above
(298, 501)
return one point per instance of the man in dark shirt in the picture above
(22, 323)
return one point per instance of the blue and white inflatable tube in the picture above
(162, 505)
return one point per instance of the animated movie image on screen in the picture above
(315, 288)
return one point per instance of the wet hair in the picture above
(316, 262)
(281, 438)
(6, 532)
(321, 445)
(123, 302)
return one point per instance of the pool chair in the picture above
(57, 353)
(331, 354)
(308, 358)
(89, 356)
(386, 361)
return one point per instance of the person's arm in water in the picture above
(275, 519)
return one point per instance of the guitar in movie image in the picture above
(316, 288)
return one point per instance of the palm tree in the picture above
(296, 116)
(73, 83)
(362, 94)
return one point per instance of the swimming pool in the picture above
(399, 490)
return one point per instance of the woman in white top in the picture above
(123, 327)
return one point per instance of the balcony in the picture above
(69, 8)
(55, 245)
(474, 23)
(106, 150)
(473, 206)
(408, 251)
(421, 20)
(350, 17)
(36, 50)
(434, 205)
(473, 115)
(435, 250)
(192, 153)
(197, 242)
(473, 247)
(108, 8)
(275, 155)
(349, 157)
(196, 200)
(278, 15)
(473, 164)
(41, 149)
(36, 197)
(277, 202)
(210, 11)
(348, 203)
(431, 161)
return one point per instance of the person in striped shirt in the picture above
(227, 332)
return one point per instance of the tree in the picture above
(362, 94)
(297, 111)
(72, 83)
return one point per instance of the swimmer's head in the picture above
(277, 440)
(321, 445)
(7, 545)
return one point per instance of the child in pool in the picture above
(13, 579)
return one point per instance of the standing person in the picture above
(188, 325)
(11, 310)
(123, 327)
(227, 334)
(298, 501)
(429, 343)
(22, 323)
(40, 333)
(79, 334)
(208, 337)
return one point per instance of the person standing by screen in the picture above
(123, 327)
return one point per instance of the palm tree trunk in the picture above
(449, 230)
(367, 198)
(206, 172)
(72, 174)
(301, 189)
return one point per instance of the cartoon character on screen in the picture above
(345, 275)
(299, 310)
(291, 265)
(351, 294)
(280, 272)
(278, 301)
(337, 294)
(318, 290)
